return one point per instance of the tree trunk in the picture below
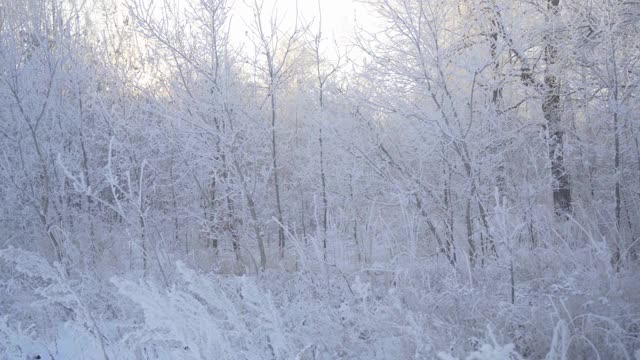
(552, 109)
(274, 158)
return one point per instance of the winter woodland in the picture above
(459, 181)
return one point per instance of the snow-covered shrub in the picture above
(46, 313)
(414, 310)
(488, 351)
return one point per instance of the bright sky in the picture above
(338, 18)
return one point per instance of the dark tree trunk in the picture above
(552, 109)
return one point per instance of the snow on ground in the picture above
(421, 310)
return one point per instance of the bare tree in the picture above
(322, 76)
(552, 109)
(277, 50)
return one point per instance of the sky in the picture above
(338, 18)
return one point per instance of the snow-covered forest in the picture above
(459, 181)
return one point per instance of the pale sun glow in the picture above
(338, 19)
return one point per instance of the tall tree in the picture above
(552, 108)
(277, 51)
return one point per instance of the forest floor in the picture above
(560, 308)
